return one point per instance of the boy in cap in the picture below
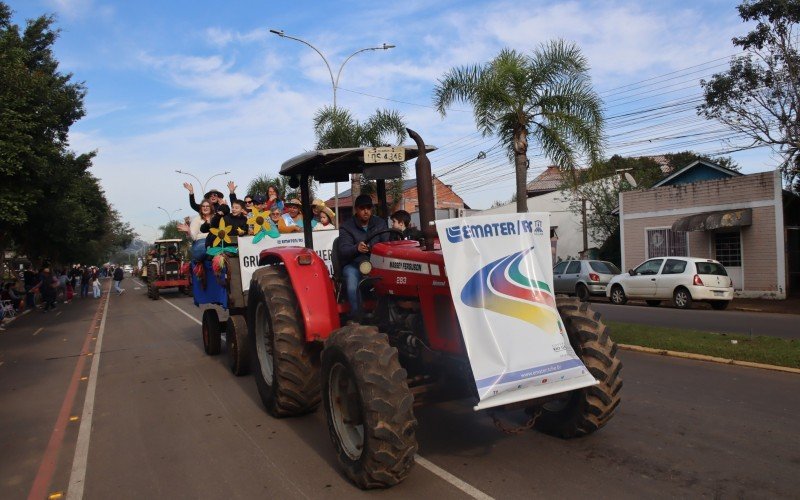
(353, 249)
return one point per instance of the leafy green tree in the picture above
(546, 97)
(336, 127)
(260, 184)
(679, 160)
(759, 95)
(170, 231)
(51, 206)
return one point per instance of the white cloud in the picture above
(211, 76)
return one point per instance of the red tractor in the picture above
(408, 348)
(167, 269)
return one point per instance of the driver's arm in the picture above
(348, 246)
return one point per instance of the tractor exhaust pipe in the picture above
(424, 191)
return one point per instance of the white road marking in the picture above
(137, 288)
(37, 331)
(77, 477)
(59, 313)
(458, 483)
(450, 478)
(183, 312)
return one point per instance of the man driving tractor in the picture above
(353, 249)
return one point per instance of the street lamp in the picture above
(334, 84)
(170, 217)
(202, 184)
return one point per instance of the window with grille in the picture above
(667, 243)
(728, 249)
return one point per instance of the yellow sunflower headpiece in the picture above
(222, 233)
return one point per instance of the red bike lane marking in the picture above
(47, 467)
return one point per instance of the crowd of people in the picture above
(270, 216)
(44, 288)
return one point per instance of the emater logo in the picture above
(457, 234)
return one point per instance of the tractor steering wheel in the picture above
(397, 234)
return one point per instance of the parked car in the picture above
(682, 279)
(583, 277)
(127, 268)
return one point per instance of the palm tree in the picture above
(336, 127)
(546, 97)
(260, 184)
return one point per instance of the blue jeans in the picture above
(116, 286)
(198, 250)
(352, 276)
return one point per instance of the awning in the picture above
(709, 221)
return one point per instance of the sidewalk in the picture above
(788, 306)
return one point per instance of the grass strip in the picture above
(758, 349)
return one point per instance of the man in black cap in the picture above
(213, 196)
(352, 247)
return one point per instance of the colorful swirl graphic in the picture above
(503, 288)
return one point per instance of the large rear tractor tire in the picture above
(586, 410)
(152, 291)
(152, 273)
(368, 406)
(238, 345)
(286, 373)
(212, 336)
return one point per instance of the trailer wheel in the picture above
(368, 406)
(212, 336)
(586, 410)
(238, 346)
(286, 373)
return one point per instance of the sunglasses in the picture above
(248, 202)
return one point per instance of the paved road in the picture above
(167, 421)
(772, 324)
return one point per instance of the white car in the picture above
(682, 279)
(127, 268)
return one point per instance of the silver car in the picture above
(583, 277)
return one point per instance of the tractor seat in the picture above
(336, 261)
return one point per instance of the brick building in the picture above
(443, 194)
(747, 222)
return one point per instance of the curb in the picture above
(713, 359)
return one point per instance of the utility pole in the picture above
(585, 232)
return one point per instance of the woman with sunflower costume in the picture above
(260, 225)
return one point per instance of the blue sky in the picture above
(204, 87)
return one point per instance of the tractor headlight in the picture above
(365, 267)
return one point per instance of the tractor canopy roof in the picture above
(335, 165)
(167, 242)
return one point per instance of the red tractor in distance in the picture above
(408, 349)
(167, 268)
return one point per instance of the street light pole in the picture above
(201, 183)
(335, 84)
(169, 214)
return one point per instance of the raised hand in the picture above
(231, 186)
(189, 187)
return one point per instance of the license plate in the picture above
(384, 155)
(718, 293)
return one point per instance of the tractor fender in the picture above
(313, 288)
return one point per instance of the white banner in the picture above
(501, 280)
(249, 251)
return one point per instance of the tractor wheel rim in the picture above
(346, 411)
(263, 344)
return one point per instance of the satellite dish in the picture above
(630, 179)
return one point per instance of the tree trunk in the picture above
(521, 168)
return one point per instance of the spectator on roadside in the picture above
(9, 293)
(119, 275)
(30, 280)
(86, 282)
(48, 285)
(96, 285)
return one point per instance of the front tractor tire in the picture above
(586, 410)
(368, 406)
(212, 336)
(238, 345)
(286, 374)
